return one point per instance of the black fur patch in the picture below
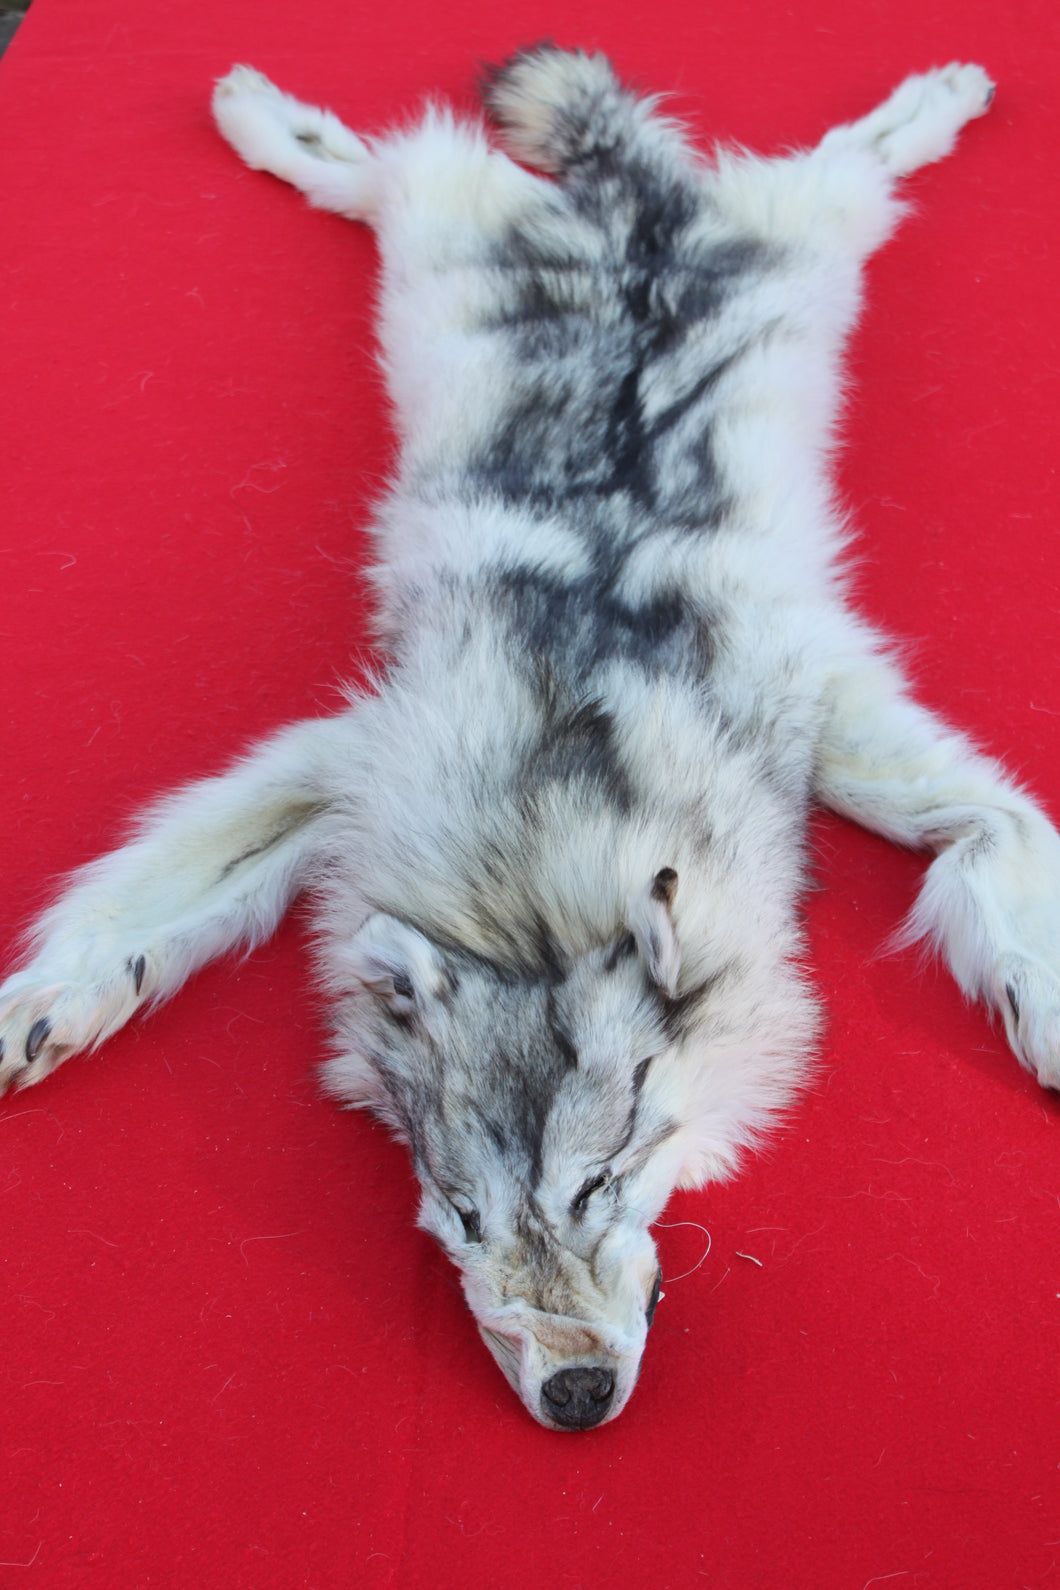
(582, 623)
(681, 1013)
(578, 745)
(593, 335)
(621, 950)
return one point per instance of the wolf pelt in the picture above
(555, 854)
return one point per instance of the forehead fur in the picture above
(523, 1077)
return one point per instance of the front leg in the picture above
(990, 902)
(214, 866)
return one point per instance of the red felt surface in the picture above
(228, 1357)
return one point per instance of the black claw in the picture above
(1013, 1001)
(35, 1042)
(137, 969)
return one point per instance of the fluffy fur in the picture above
(555, 857)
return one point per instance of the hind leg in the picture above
(439, 186)
(920, 122)
(439, 198)
(991, 899)
(310, 148)
(839, 199)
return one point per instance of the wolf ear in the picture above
(397, 964)
(652, 926)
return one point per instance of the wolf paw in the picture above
(43, 1021)
(269, 128)
(1028, 997)
(921, 120)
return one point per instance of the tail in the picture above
(563, 109)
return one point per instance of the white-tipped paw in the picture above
(44, 1021)
(921, 120)
(961, 91)
(251, 114)
(269, 128)
(244, 80)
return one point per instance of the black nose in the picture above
(578, 1398)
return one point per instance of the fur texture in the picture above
(556, 857)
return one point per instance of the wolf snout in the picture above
(578, 1398)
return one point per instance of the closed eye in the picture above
(584, 1193)
(471, 1221)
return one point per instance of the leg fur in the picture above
(213, 866)
(417, 187)
(991, 899)
(840, 196)
(920, 122)
(307, 147)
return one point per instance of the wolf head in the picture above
(540, 1114)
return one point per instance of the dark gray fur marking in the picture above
(577, 744)
(594, 333)
(597, 341)
(580, 624)
(281, 832)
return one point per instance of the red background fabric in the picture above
(229, 1358)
